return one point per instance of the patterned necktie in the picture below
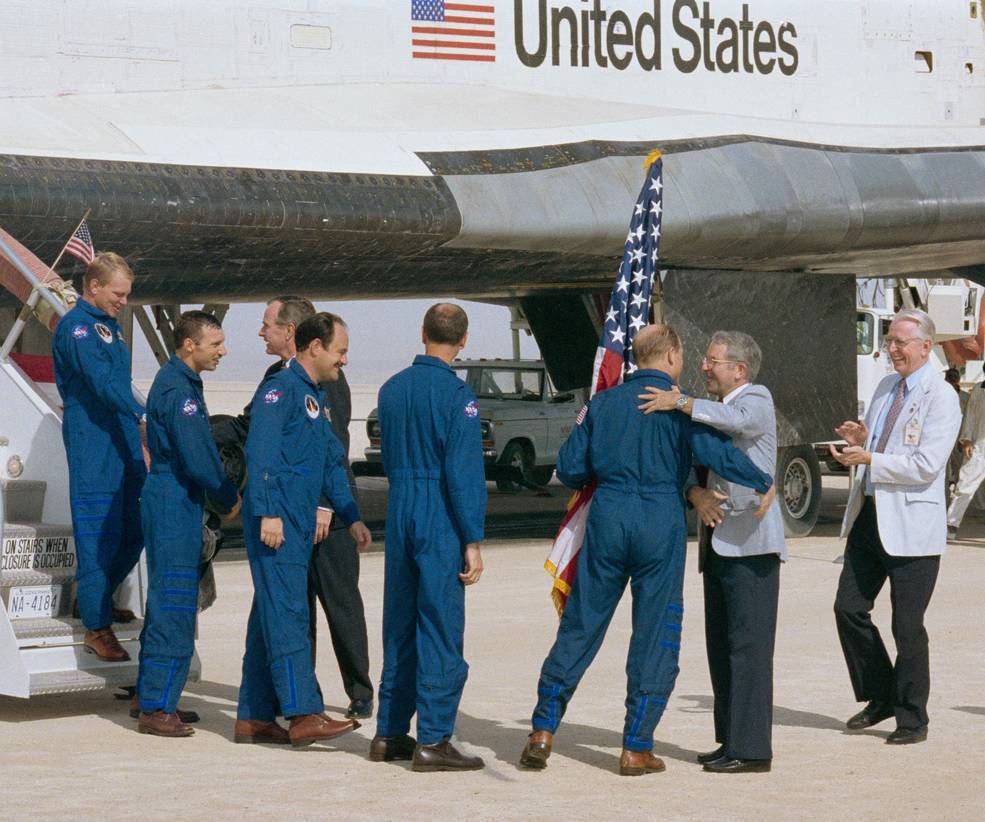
(894, 410)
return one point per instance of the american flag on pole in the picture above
(629, 311)
(453, 31)
(80, 244)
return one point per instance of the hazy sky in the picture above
(384, 336)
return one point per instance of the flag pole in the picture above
(31, 303)
(61, 253)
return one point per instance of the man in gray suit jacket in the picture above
(896, 526)
(740, 554)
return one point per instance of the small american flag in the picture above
(452, 31)
(80, 244)
(629, 311)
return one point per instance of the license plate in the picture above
(32, 602)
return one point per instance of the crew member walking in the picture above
(102, 432)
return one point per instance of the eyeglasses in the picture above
(707, 362)
(893, 342)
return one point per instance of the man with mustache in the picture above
(292, 458)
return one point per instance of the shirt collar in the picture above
(92, 311)
(651, 373)
(296, 368)
(731, 395)
(917, 376)
(184, 369)
(425, 359)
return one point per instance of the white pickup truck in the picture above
(524, 420)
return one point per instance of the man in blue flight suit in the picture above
(292, 457)
(635, 532)
(432, 454)
(184, 466)
(334, 577)
(102, 427)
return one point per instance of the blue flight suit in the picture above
(292, 457)
(184, 465)
(432, 454)
(635, 531)
(105, 461)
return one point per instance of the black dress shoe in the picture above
(360, 709)
(871, 714)
(907, 736)
(392, 748)
(443, 756)
(728, 765)
(711, 756)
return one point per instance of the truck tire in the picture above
(542, 474)
(515, 454)
(798, 479)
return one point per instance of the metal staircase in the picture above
(41, 641)
(41, 649)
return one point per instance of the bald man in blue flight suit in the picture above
(432, 454)
(292, 457)
(185, 465)
(635, 533)
(101, 428)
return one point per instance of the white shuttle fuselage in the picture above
(350, 138)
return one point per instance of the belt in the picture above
(642, 490)
(413, 473)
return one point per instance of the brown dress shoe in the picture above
(391, 748)
(443, 756)
(188, 717)
(537, 750)
(104, 644)
(256, 732)
(162, 724)
(637, 763)
(313, 727)
(123, 615)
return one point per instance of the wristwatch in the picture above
(682, 402)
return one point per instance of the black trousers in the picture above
(741, 595)
(334, 580)
(906, 685)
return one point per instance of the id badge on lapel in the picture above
(911, 432)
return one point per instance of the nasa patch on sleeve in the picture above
(272, 396)
(471, 409)
(80, 332)
(190, 408)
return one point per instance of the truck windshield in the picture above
(864, 333)
(504, 383)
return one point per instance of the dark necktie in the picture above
(894, 410)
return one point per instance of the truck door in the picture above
(872, 362)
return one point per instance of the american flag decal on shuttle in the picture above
(453, 31)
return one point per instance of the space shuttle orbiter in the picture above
(350, 148)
